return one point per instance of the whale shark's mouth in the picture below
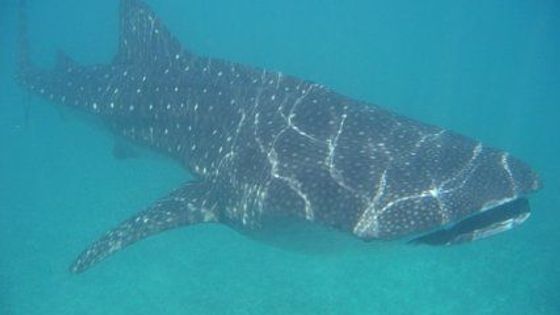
(495, 220)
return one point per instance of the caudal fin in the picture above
(23, 59)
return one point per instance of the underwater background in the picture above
(487, 69)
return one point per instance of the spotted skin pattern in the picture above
(263, 144)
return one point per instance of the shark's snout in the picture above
(452, 179)
(489, 201)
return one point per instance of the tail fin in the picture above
(23, 58)
(23, 61)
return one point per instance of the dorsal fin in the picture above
(143, 38)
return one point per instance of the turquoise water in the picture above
(489, 69)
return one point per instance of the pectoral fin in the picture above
(187, 205)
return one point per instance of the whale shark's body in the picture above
(264, 145)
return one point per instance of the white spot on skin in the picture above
(94, 106)
(434, 192)
(112, 105)
(131, 108)
(176, 89)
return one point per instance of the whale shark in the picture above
(262, 146)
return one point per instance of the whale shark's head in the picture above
(498, 195)
(455, 190)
